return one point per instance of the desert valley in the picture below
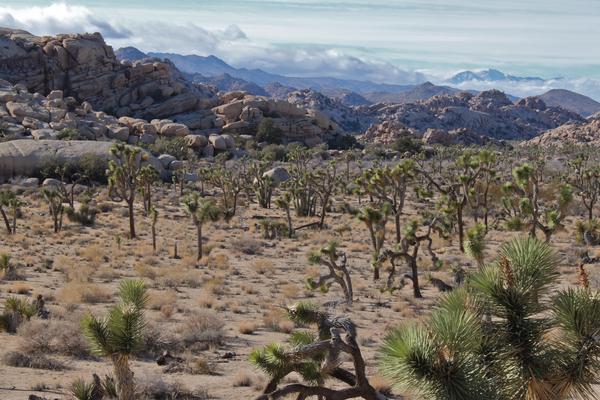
(176, 227)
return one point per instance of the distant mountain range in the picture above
(213, 71)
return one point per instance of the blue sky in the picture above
(380, 40)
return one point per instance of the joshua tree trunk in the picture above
(131, 221)
(14, 222)
(6, 221)
(154, 238)
(397, 221)
(124, 377)
(199, 231)
(461, 228)
(289, 221)
(415, 277)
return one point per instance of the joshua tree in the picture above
(9, 270)
(536, 344)
(475, 244)
(230, 182)
(201, 211)
(302, 182)
(390, 185)
(325, 184)
(375, 220)
(261, 185)
(480, 195)
(455, 182)
(584, 176)
(7, 199)
(284, 201)
(546, 217)
(335, 261)
(315, 358)
(120, 334)
(124, 177)
(408, 249)
(16, 310)
(154, 216)
(55, 204)
(147, 177)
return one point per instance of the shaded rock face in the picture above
(84, 67)
(489, 113)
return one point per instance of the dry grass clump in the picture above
(94, 254)
(262, 266)
(154, 387)
(37, 361)
(19, 288)
(218, 261)
(247, 328)
(61, 337)
(247, 245)
(77, 293)
(144, 270)
(276, 321)
(242, 379)
(174, 276)
(203, 327)
(206, 300)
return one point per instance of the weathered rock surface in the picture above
(24, 157)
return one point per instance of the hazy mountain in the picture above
(489, 75)
(571, 101)
(130, 53)
(416, 93)
(227, 83)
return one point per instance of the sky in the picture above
(394, 41)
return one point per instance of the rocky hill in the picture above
(587, 133)
(490, 113)
(423, 91)
(571, 101)
(227, 83)
(84, 67)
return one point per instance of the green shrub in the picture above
(177, 147)
(267, 132)
(68, 134)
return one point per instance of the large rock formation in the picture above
(241, 113)
(24, 157)
(489, 113)
(571, 134)
(84, 67)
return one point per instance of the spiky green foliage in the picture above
(201, 211)
(82, 390)
(122, 330)
(491, 340)
(16, 310)
(475, 243)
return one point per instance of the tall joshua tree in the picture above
(120, 334)
(375, 220)
(508, 334)
(335, 261)
(201, 211)
(55, 204)
(124, 177)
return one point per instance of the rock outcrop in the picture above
(24, 157)
(489, 113)
(84, 67)
(571, 134)
(241, 113)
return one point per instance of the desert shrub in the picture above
(588, 231)
(248, 245)
(268, 132)
(407, 145)
(202, 327)
(85, 215)
(68, 134)
(60, 337)
(343, 142)
(91, 166)
(38, 361)
(155, 388)
(177, 147)
(273, 152)
(514, 224)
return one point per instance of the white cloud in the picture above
(59, 18)
(231, 44)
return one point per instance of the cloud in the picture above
(59, 18)
(232, 44)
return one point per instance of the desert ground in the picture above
(211, 313)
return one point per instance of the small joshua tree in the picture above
(261, 184)
(120, 334)
(584, 176)
(325, 184)
(336, 263)
(284, 201)
(316, 358)
(9, 270)
(124, 177)
(375, 220)
(7, 199)
(509, 334)
(147, 177)
(201, 211)
(475, 244)
(16, 310)
(55, 204)
(15, 205)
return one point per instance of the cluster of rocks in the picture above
(84, 66)
(241, 113)
(489, 113)
(571, 134)
(51, 117)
